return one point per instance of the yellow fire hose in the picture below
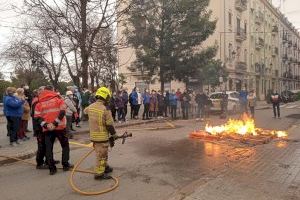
(74, 170)
(78, 163)
(76, 189)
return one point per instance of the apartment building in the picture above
(257, 45)
(274, 52)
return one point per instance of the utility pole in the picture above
(264, 78)
(225, 40)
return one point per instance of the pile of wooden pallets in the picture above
(262, 138)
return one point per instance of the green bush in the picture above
(3, 85)
(298, 96)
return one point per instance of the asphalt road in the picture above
(166, 164)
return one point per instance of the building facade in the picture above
(258, 46)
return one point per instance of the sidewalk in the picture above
(28, 148)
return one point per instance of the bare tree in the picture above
(79, 22)
(103, 60)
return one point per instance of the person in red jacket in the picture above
(50, 113)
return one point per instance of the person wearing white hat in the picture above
(71, 109)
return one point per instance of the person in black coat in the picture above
(185, 104)
(166, 103)
(275, 100)
(224, 104)
(201, 100)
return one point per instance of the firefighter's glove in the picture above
(112, 139)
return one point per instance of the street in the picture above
(165, 164)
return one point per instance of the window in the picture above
(230, 51)
(246, 56)
(230, 18)
(238, 25)
(245, 27)
(238, 53)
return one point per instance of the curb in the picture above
(33, 153)
(263, 108)
(121, 125)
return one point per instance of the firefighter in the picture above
(38, 133)
(50, 115)
(101, 128)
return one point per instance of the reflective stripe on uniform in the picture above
(95, 110)
(99, 136)
(50, 110)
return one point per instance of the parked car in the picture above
(233, 101)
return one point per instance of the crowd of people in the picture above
(20, 103)
(159, 104)
(17, 103)
(53, 115)
(48, 110)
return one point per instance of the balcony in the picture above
(275, 30)
(295, 46)
(285, 57)
(241, 35)
(259, 69)
(241, 5)
(241, 66)
(259, 43)
(285, 38)
(290, 42)
(288, 75)
(276, 73)
(259, 17)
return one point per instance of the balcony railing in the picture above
(275, 29)
(241, 5)
(259, 17)
(285, 38)
(241, 35)
(276, 73)
(288, 75)
(260, 69)
(241, 66)
(295, 46)
(259, 43)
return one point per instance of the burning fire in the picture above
(243, 127)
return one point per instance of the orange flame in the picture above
(244, 126)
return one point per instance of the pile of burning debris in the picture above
(242, 130)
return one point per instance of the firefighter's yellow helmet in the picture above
(103, 92)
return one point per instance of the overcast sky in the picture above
(291, 8)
